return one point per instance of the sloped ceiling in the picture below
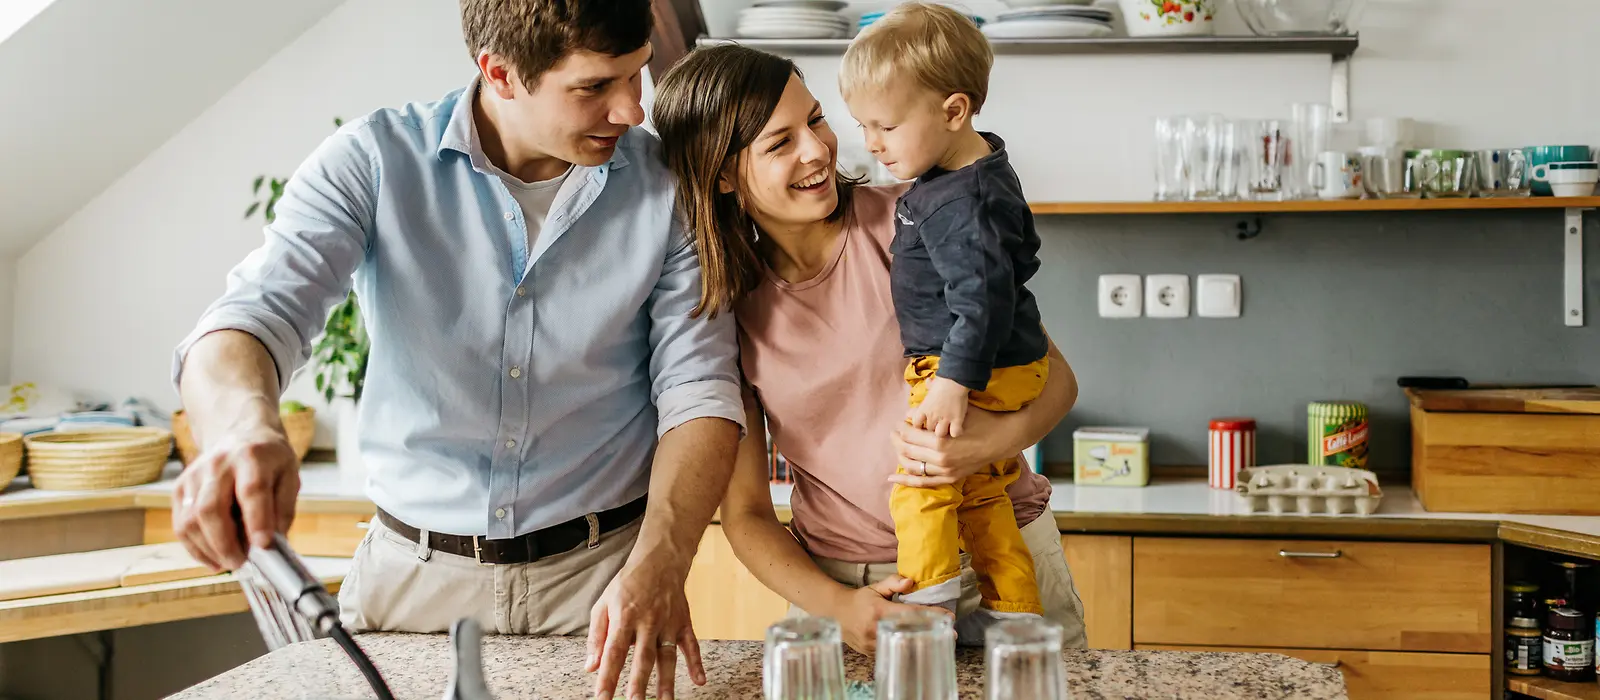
(92, 86)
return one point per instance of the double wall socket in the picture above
(1167, 296)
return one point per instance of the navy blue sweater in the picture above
(964, 247)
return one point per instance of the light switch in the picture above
(1119, 296)
(1218, 296)
(1166, 296)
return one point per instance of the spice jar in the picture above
(1568, 645)
(1524, 650)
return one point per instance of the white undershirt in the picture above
(535, 198)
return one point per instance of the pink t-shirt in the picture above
(825, 358)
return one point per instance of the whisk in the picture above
(290, 605)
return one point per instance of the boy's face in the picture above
(907, 129)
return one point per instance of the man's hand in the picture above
(859, 615)
(257, 473)
(943, 410)
(643, 608)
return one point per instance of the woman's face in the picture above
(786, 175)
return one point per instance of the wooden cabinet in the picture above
(1102, 570)
(726, 601)
(312, 535)
(1375, 596)
(1387, 675)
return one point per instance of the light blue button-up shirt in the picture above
(507, 389)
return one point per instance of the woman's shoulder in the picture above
(872, 209)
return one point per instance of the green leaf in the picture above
(271, 213)
(252, 210)
(256, 187)
(338, 122)
(321, 384)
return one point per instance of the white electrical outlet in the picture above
(1166, 296)
(1217, 296)
(1119, 296)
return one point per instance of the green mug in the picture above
(1540, 155)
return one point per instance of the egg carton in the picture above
(1309, 489)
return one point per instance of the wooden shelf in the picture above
(1315, 205)
(1338, 46)
(1549, 689)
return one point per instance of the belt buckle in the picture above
(594, 530)
(477, 549)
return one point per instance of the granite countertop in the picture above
(417, 666)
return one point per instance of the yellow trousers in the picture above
(934, 524)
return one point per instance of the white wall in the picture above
(101, 302)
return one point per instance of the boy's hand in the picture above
(943, 410)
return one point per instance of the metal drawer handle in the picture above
(1286, 554)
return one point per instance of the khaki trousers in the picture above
(396, 585)
(1059, 595)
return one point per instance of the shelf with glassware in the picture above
(1309, 206)
(1338, 46)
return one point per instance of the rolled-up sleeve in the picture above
(282, 291)
(694, 370)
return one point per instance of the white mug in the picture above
(1337, 175)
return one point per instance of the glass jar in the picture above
(1573, 582)
(1524, 649)
(1522, 604)
(1568, 645)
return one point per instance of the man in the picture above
(527, 291)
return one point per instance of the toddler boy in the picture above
(964, 246)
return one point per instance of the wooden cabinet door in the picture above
(1382, 596)
(1102, 570)
(725, 599)
(1387, 675)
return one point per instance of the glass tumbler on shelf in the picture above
(1022, 661)
(1308, 138)
(916, 657)
(1230, 142)
(1202, 155)
(1265, 152)
(804, 660)
(1170, 182)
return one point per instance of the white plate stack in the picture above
(794, 19)
(1050, 22)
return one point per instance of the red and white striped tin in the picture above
(1233, 447)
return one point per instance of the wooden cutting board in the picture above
(1508, 400)
(89, 571)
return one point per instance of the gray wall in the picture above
(1336, 306)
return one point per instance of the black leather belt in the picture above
(523, 549)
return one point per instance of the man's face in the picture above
(581, 107)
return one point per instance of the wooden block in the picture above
(1102, 569)
(1506, 462)
(164, 562)
(1385, 675)
(89, 571)
(1384, 596)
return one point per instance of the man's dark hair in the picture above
(534, 35)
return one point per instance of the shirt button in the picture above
(522, 291)
(515, 372)
(500, 513)
(511, 443)
(510, 216)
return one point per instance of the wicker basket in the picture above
(97, 459)
(10, 457)
(301, 427)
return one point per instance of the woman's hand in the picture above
(863, 607)
(986, 439)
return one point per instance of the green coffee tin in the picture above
(1337, 434)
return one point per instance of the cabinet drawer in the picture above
(1388, 675)
(1384, 596)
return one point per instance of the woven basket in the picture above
(10, 457)
(301, 427)
(97, 459)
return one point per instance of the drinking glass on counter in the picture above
(1202, 153)
(804, 660)
(916, 657)
(1170, 181)
(1308, 139)
(1022, 661)
(1265, 152)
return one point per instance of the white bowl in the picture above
(1045, 3)
(1169, 17)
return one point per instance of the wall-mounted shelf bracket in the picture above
(1572, 265)
(1339, 100)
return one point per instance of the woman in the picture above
(800, 254)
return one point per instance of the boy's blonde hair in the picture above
(936, 47)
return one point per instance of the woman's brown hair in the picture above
(708, 109)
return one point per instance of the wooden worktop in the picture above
(418, 666)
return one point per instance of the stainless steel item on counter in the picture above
(1308, 489)
(466, 674)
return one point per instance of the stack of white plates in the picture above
(1053, 22)
(794, 19)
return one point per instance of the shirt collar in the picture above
(461, 134)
